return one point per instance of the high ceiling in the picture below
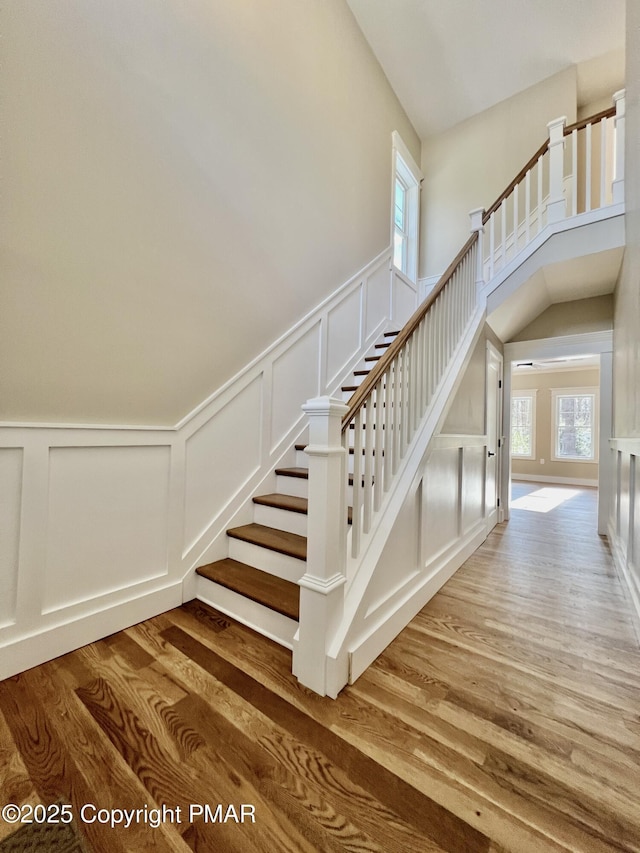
(450, 59)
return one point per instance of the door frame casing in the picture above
(494, 354)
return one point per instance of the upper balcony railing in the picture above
(579, 168)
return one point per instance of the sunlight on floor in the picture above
(544, 500)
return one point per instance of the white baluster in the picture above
(477, 226)
(539, 199)
(603, 162)
(377, 415)
(527, 206)
(574, 176)
(587, 191)
(619, 124)
(515, 220)
(369, 458)
(356, 500)
(556, 206)
(503, 231)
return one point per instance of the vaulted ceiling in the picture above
(450, 59)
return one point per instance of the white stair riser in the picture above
(269, 561)
(262, 619)
(302, 460)
(282, 519)
(295, 486)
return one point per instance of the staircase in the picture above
(326, 587)
(257, 583)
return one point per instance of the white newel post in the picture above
(477, 226)
(322, 585)
(556, 206)
(618, 182)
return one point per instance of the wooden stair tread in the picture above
(391, 334)
(290, 544)
(273, 592)
(299, 473)
(288, 502)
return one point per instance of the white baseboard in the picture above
(560, 481)
(421, 589)
(24, 652)
(629, 576)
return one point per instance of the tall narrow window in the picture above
(523, 419)
(405, 209)
(400, 221)
(575, 424)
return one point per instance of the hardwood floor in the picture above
(506, 717)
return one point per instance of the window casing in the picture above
(574, 424)
(523, 425)
(405, 210)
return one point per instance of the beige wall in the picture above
(626, 334)
(467, 413)
(570, 318)
(469, 165)
(544, 382)
(185, 181)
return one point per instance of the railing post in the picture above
(618, 182)
(322, 585)
(478, 227)
(556, 206)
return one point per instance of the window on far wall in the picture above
(523, 421)
(575, 424)
(405, 209)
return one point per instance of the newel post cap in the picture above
(326, 406)
(476, 216)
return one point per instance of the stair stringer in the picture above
(338, 663)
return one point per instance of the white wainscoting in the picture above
(102, 526)
(624, 521)
(440, 525)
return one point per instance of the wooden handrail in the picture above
(594, 119)
(578, 125)
(360, 396)
(510, 187)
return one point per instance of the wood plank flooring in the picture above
(506, 717)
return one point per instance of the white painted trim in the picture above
(628, 577)
(561, 481)
(588, 343)
(407, 603)
(626, 445)
(262, 619)
(360, 310)
(45, 643)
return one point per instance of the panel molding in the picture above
(37, 627)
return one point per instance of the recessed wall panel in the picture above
(220, 457)
(295, 380)
(377, 298)
(108, 514)
(10, 501)
(441, 501)
(343, 334)
(472, 486)
(404, 301)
